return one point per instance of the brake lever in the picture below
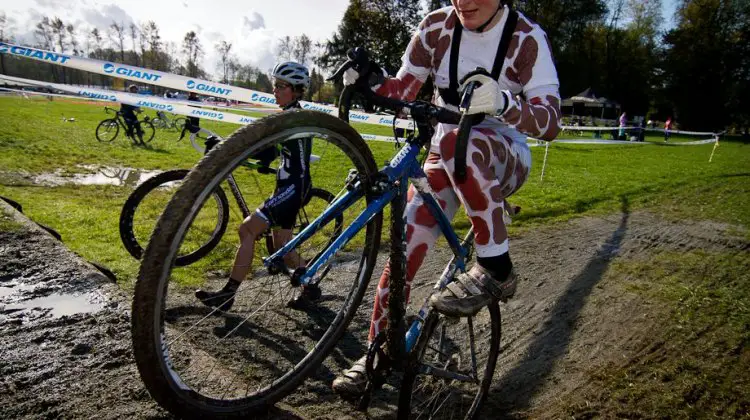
(464, 128)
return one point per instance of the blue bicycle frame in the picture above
(404, 166)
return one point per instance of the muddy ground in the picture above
(567, 319)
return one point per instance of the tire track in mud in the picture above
(566, 319)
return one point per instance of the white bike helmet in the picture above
(293, 73)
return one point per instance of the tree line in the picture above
(697, 72)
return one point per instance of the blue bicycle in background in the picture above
(195, 363)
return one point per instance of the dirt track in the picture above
(567, 319)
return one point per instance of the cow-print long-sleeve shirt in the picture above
(528, 71)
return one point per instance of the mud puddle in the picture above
(91, 175)
(55, 305)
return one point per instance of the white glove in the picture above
(376, 79)
(350, 77)
(488, 98)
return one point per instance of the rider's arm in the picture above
(536, 111)
(539, 115)
(417, 63)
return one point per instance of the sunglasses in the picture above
(281, 85)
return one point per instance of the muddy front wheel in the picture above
(198, 361)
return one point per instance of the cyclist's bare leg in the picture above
(281, 237)
(249, 231)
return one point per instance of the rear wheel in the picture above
(238, 364)
(107, 130)
(159, 123)
(179, 123)
(144, 206)
(147, 131)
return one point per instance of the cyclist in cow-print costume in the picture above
(521, 99)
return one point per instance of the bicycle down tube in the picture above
(404, 162)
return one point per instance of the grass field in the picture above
(675, 182)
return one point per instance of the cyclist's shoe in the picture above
(353, 381)
(306, 298)
(222, 300)
(471, 291)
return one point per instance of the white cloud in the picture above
(255, 21)
(253, 31)
(103, 17)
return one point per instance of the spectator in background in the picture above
(623, 122)
(667, 127)
(128, 114)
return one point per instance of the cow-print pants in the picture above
(496, 168)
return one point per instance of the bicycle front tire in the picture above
(160, 350)
(107, 130)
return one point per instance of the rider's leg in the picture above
(129, 126)
(421, 233)
(280, 238)
(138, 130)
(249, 231)
(497, 166)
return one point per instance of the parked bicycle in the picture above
(164, 122)
(194, 364)
(107, 130)
(145, 204)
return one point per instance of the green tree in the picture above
(384, 27)
(224, 48)
(707, 64)
(191, 47)
(117, 37)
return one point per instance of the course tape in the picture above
(150, 102)
(178, 82)
(657, 130)
(160, 104)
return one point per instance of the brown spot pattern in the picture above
(526, 59)
(419, 55)
(442, 47)
(524, 25)
(499, 233)
(432, 19)
(541, 114)
(512, 75)
(481, 231)
(496, 193)
(432, 38)
(450, 22)
(482, 158)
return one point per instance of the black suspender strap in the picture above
(453, 64)
(450, 95)
(502, 46)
